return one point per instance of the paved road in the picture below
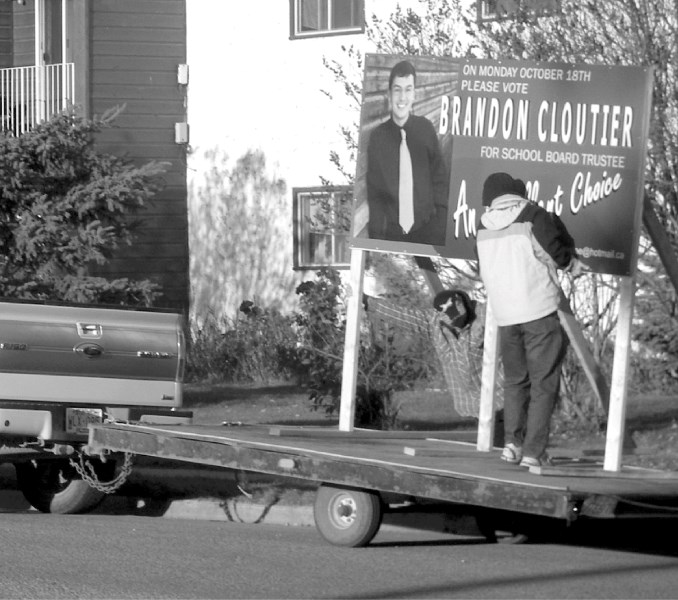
(105, 556)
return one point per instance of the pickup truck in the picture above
(63, 367)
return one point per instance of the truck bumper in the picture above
(60, 423)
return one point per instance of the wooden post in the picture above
(488, 387)
(622, 351)
(349, 377)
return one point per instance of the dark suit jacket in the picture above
(430, 182)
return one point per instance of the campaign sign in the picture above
(575, 134)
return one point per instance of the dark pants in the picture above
(532, 354)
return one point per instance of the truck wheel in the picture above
(347, 517)
(53, 486)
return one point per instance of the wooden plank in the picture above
(461, 435)
(131, 64)
(153, 34)
(585, 470)
(131, 7)
(488, 387)
(120, 91)
(359, 433)
(150, 21)
(614, 440)
(580, 346)
(426, 265)
(661, 242)
(349, 377)
(139, 49)
(430, 451)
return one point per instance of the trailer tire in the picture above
(53, 486)
(347, 517)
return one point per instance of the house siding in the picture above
(6, 35)
(24, 35)
(135, 47)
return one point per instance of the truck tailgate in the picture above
(70, 354)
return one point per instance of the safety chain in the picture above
(230, 505)
(86, 470)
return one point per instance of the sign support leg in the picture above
(349, 377)
(622, 351)
(488, 387)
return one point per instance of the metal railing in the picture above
(30, 95)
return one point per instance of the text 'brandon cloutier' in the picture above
(579, 123)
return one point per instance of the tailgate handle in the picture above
(89, 330)
(89, 350)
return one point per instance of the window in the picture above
(313, 18)
(494, 10)
(321, 226)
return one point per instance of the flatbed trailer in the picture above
(363, 473)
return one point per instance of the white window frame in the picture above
(335, 239)
(326, 27)
(43, 30)
(509, 9)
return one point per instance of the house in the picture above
(98, 54)
(205, 83)
(258, 83)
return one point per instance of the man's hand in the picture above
(576, 268)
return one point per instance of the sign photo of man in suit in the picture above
(406, 178)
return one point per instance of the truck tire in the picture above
(53, 486)
(347, 517)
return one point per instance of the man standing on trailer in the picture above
(520, 245)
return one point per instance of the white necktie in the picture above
(405, 189)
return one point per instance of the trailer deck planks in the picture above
(427, 465)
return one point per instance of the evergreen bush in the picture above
(65, 205)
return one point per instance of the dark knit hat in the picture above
(499, 184)
(520, 188)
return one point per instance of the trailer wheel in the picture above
(53, 486)
(347, 517)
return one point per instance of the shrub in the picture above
(64, 206)
(254, 347)
(262, 345)
(384, 364)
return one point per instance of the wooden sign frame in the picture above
(432, 76)
(614, 400)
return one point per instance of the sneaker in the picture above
(543, 461)
(512, 453)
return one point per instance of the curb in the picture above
(242, 510)
(231, 505)
(218, 498)
(237, 510)
(202, 509)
